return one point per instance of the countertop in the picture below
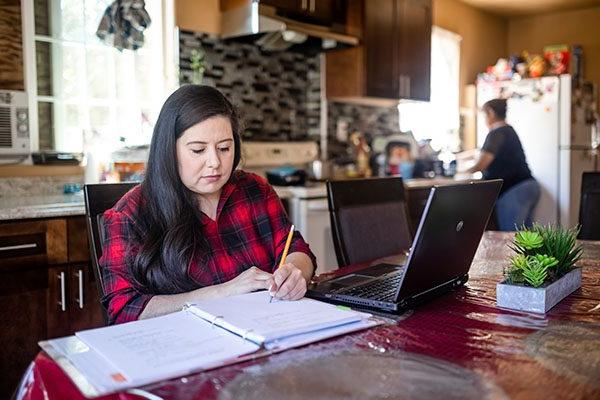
(48, 206)
(52, 206)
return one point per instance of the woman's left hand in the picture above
(289, 284)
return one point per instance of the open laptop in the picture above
(451, 227)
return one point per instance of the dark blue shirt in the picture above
(509, 158)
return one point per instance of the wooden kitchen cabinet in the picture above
(394, 60)
(11, 46)
(46, 289)
(317, 11)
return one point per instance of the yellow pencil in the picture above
(285, 251)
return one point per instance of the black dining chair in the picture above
(589, 206)
(369, 219)
(100, 197)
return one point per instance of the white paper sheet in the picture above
(164, 347)
(252, 316)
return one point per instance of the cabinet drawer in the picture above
(32, 243)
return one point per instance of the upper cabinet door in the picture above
(11, 46)
(288, 5)
(381, 43)
(324, 12)
(414, 24)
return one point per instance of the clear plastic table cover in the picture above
(458, 346)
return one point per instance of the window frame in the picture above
(168, 46)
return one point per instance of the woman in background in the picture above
(197, 228)
(502, 156)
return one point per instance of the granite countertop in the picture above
(43, 206)
(56, 206)
(439, 181)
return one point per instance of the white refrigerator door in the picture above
(573, 163)
(534, 113)
(533, 109)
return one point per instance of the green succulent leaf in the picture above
(518, 261)
(514, 274)
(545, 260)
(535, 273)
(560, 243)
(528, 240)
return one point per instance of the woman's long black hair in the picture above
(169, 212)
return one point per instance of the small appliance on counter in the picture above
(286, 176)
(129, 163)
(428, 168)
(48, 157)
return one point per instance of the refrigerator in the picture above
(558, 128)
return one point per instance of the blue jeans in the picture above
(514, 208)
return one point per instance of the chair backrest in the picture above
(589, 206)
(369, 219)
(100, 197)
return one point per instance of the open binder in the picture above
(204, 335)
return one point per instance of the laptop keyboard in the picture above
(380, 289)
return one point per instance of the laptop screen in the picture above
(449, 232)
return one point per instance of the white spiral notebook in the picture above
(205, 335)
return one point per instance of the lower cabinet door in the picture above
(85, 311)
(23, 320)
(58, 306)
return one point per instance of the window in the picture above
(87, 89)
(438, 119)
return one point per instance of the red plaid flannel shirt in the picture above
(251, 228)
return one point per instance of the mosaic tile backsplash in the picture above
(369, 120)
(277, 94)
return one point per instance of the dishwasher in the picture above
(311, 217)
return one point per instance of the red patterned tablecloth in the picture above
(457, 346)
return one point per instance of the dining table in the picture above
(460, 345)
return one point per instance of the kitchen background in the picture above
(76, 109)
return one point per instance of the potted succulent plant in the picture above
(542, 272)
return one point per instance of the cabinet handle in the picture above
(401, 86)
(304, 4)
(312, 5)
(62, 302)
(19, 247)
(80, 282)
(408, 86)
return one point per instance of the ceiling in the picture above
(513, 8)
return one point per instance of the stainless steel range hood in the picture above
(279, 33)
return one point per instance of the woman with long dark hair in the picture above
(196, 227)
(502, 156)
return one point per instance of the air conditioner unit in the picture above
(14, 123)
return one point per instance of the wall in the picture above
(484, 40)
(277, 94)
(568, 27)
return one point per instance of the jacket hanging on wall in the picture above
(123, 24)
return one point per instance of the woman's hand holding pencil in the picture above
(288, 282)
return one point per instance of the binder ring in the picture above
(212, 323)
(246, 333)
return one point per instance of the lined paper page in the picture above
(252, 316)
(164, 347)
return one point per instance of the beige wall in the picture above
(484, 41)
(568, 27)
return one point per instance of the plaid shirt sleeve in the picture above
(281, 227)
(121, 300)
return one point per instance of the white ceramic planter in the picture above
(538, 300)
